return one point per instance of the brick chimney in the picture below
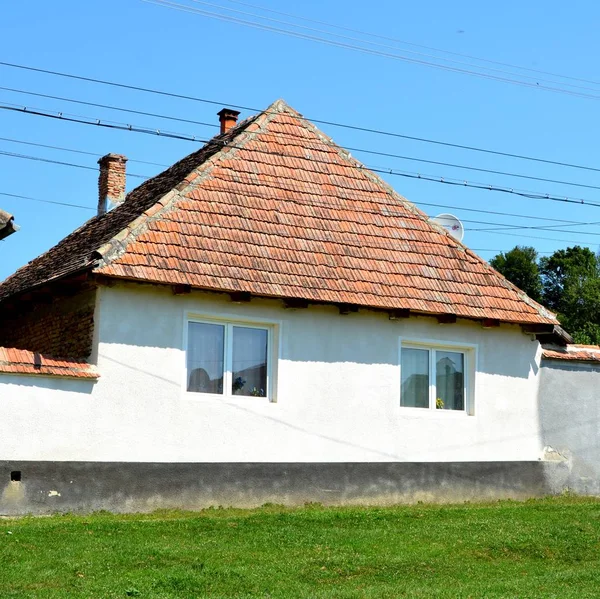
(228, 118)
(111, 181)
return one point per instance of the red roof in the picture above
(574, 353)
(275, 208)
(21, 361)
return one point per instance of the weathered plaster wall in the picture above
(570, 419)
(62, 327)
(337, 392)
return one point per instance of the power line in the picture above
(313, 203)
(22, 197)
(507, 227)
(109, 107)
(492, 250)
(387, 46)
(443, 180)
(545, 218)
(213, 15)
(320, 121)
(39, 159)
(544, 238)
(399, 41)
(62, 149)
(352, 149)
(564, 223)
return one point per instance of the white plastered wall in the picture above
(338, 390)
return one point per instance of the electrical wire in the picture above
(22, 197)
(320, 121)
(389, 47)
(544, 238)
(313, 203)
(352, 149)
(563, 222)
(48, 160)
(507, 227)
(62, 149)
(109, 107)
(400, 41)
(443, 180)
(213, 15)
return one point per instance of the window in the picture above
(228, 359)
(434, 378)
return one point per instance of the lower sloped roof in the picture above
(21, 361)
(274, 208)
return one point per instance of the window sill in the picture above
(213, 397)
(429, 413)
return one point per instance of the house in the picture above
(7, 224)
(266, 320)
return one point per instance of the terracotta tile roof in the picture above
(573, 352)
(77, 251)
(284, 212)
(21, 361)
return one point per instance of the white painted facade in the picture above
(335, 391)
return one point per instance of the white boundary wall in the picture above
(337, 400)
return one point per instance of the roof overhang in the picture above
(548, 333)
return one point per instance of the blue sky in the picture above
(139, 43)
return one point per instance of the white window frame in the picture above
(228, 323)
(469, 352)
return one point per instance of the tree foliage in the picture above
(520, 267)
(567, 282)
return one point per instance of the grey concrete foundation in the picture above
(46, 487)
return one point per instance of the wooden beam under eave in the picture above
(537, 328)
(292, 303)
(398, 314)
(346, 309)
(181, 289)
(446, 318)
(490, 323)
(240, 297)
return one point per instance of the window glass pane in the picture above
(249, 362)
(450, 380)
(205, 357)
(414, 392)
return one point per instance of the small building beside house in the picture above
(266, 321)
(570, 412)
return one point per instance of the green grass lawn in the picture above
(543, 548)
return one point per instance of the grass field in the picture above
(544, 548)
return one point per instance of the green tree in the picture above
(520, 267)
(571, 287)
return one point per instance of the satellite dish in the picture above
(451, 224)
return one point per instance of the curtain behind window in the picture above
(414, 391)
(205, 354)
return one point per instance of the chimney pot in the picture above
(111, 181)
(227, 118)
